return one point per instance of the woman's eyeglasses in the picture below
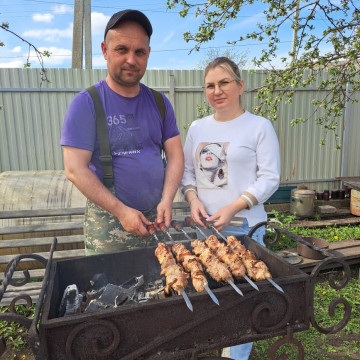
(222, 85)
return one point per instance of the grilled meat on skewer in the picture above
(216, 269)
(175, 276)
(255, 268)
(191, 264)
(224, 253)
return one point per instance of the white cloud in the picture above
(46, 18)
(57, 56)
(16, 49)
(98, 23)
(53, 35)
(168, 37)
(98, 62)
(62, 9)
(18, 63)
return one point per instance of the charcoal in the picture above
(71, 301)
(96, 305)
(112, 297)
(98, 283)
(131, 286)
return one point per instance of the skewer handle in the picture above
(190, 222)
(151, 230)
(176, 225)
(186, 298)
(163, 228)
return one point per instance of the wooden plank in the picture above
(58, 255)
(7, 230)
(18, 243)
(7, 300)
(18, 275)
(32, 289)
(351, 181)
(347, 250)
(13, 214)
(323, 223)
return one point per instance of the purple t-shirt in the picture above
(136, 133)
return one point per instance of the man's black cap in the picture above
(129, 14)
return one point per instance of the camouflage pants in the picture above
(105, 234)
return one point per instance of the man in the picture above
(116, 218)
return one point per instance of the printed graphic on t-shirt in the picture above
(211, 165)
(125, 135)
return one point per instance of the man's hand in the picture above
(134, 222)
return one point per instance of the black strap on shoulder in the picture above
(159, 103)
(103, 136)
(161, 106)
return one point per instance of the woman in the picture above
(248, 150)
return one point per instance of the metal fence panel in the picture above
(33, 112)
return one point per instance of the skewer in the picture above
(271, 281)
(230, 282)
(151, 230)
(193, 266)
(166, 231)
(186, 298)
(177, 226)
(211, 294)
(190, 222)
(278, 287)
(251, 282)
(214, 229)
(209, 225)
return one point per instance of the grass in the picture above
(344, 344)
(15, 335)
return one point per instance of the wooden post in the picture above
(77, 45)
(87, 34)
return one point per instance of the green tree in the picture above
(39, 54)
(307, 58)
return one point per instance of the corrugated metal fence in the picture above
(32, 116)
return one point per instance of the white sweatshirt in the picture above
(225, 160)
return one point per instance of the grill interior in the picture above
(165, 328)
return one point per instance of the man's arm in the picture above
(173, 175)
(76, 162)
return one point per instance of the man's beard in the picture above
(124, 80)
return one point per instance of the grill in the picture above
(165, 328)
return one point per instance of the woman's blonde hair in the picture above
(227, 65)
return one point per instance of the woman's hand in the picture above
(197, 210)
(223, 216)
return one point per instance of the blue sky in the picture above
(48, 25)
